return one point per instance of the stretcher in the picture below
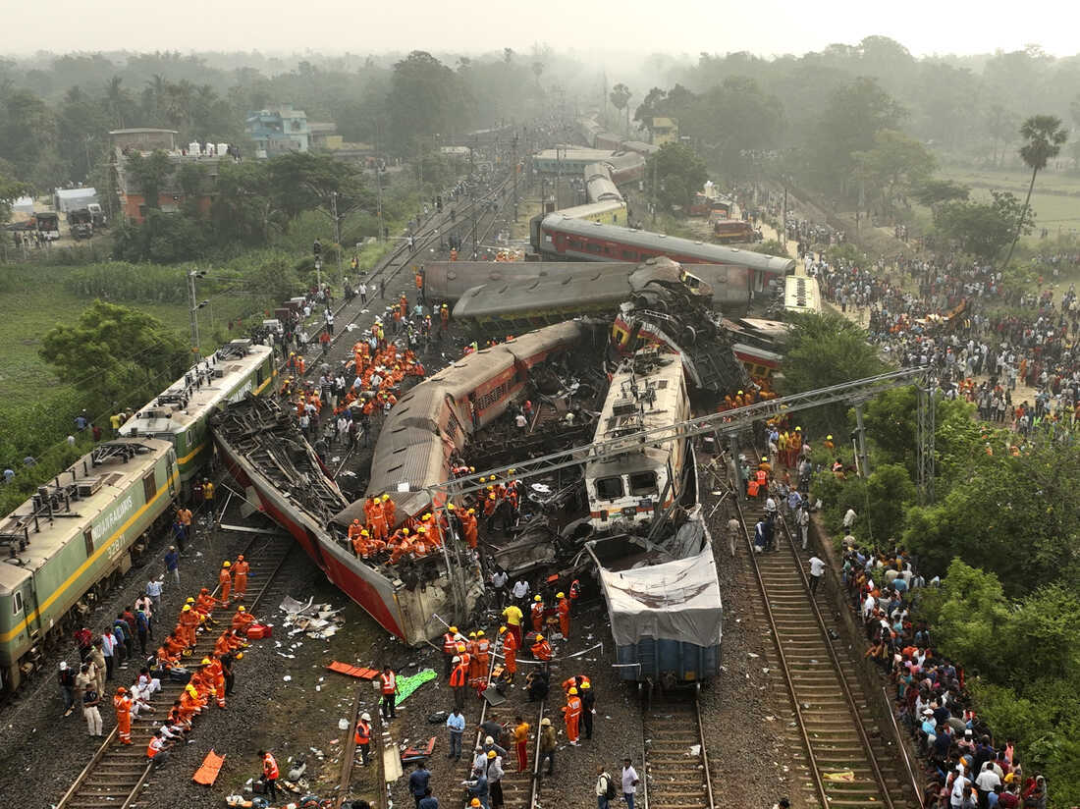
(353, 671)
(209, 769)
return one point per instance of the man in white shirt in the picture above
(629, 783)
(817, 571)
(521, 592)
(849, 520)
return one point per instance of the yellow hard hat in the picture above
(427, 516)
(828, 438)
(479, 633)
(586, 684)
(453, 629)
(226, 564)
(537, 598)
(405, 531)
(472, 510)
(739, 393)
(539, 637)
(560, 595)
(190, 601)
(798, 429)
(206, 661)
(242, 609)
(187, 608)
(472, 634)
(421, 530)
(482, 478)
(449, 506)
(385, 497)
(472, 468)
(764, 459)
(573, 691)
(364, 533)
(492, 754)
(491, 496)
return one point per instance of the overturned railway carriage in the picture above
(179, 414)
(266, 454)
(72, 537)
(557, 237)
(511, 307)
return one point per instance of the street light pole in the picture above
(195, 307)
(337, 231)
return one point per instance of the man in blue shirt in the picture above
(172, 563)
(418, 782)
(429, 801)
(456, 724)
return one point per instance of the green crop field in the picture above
(1056, 199)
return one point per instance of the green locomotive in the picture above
(73, 538)
(181, 412)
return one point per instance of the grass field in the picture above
(32, 309)
(1056, 199)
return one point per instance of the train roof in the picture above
(594, 209)
(625, 160)
(802, 294)
(645, 393)
(450, 279)
(203, 388)
(672, 245)
(575, 154)
(677, 600)
(640, 146)
(96, 478)
(568, 291)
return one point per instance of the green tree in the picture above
(1043, 136)
(854, 114)
(734, 121)
(246, 207)
(10, 190)
(426, 97)
(896, 165)
(932, 192)
(982, 229)
(151, 175)
(680, 172)
(824, 350)
(304, 181)
(113, 351)
(620, 99)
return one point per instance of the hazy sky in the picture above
(672, 26)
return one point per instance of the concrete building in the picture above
(324, 136)
(664, 130)
(279, 129)
(143, 139)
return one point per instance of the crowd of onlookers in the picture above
(966, 766)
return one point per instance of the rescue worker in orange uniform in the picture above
(217, 675)
(378, 521)
(388, 687)
(174, 644)
(572, 715)
(449, 648)
(536, 614)
(122, 703)
(270, 773)
(240, 577)
(225, 580)
(468, 524)
(564, 614)
(483, 655)
(509, 649)
(474, 661)
(189, 620)
(459, 682)
(389, 509)
(241, 620)
(363, 737)
(541, 650)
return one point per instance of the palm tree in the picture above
(1043, 136)
(620, 97)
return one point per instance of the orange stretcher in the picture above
(209, 769)
(353, 671)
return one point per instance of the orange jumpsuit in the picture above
(541, 650)
(468, 524)
(572, 715)
(225, 579)
(122, 703)
(483, 656)
(188, 622)
(378, 522)
(217, 674)
(222, 645)
(241, 621)
(510, 647)
(474, 664)
(564, 617)
(536, 612)
(240, 570)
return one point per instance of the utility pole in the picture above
(378, 183)
(337, 230)
(514, 168)
(655, 173)
(194, 311)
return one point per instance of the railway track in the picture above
(676, 759)
(117, 774)
(848, 757)
(521, 790)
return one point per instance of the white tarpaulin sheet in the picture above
(677, 600)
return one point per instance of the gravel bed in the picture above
(746, 712)
(33, 726)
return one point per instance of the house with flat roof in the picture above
(279, 129)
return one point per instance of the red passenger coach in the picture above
(559, 238)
